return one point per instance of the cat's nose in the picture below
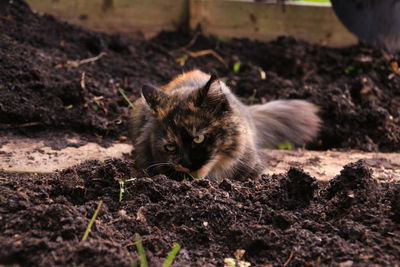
(185, 161)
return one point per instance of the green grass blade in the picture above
(171, 255)
(140, 251)
(121, 190)
(122, 187)
(89, 227)
(236, 66)
(125, 97)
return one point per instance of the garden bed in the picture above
(60, 83)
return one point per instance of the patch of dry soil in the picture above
(20, 154)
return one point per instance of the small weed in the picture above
(140, 251)
(285, 145)
(236, 66)
(349, 69)
(122, 187)
(89, 227)
(353, 70)
(142, 254)
(121, 91)
(95, 107)
(171, 255)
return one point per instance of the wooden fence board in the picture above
(121, 16)
(225, 18)
(262, 21)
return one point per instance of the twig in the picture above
(206, 52)
(77, 63)
(6, 18)
(10, 126)
(307, 75)
(191, 42)
(89, 227)
(92, 59)
(134, 243)
(83, 84)
(201, 52)
(159, 48)
(260, 216)
(289, 259)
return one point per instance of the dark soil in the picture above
(276, 219)
(279, 220)
(41, 89)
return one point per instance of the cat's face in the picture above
(191, 130)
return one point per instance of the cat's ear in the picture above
(153, 96)
(211, 96)
(201, 94)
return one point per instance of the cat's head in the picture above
(191, 129)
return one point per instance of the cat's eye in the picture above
(198, 139)
(170, 147)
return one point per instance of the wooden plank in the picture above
(225, 18)
(265, 21)
(118, 16)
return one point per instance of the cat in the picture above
(196, 126)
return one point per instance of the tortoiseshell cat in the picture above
(195, 125)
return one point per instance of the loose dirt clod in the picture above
(355, 181)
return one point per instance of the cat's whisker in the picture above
(159, 164)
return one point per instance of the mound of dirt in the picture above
(286, 220)
(58, 76)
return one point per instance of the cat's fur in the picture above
(197, 104)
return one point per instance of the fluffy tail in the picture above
(295, 121)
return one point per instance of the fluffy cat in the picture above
(195, 125)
